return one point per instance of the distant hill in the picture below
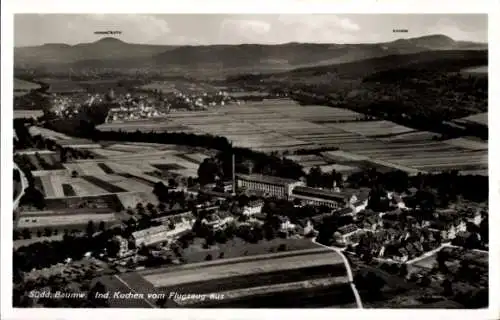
(368, 69)
(432, 42)
(104, 49)
(114, 53)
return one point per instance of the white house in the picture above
(358, 206)
(287, 226)
(253, 208)
(217, 222)
(308, 228)
(122, 252)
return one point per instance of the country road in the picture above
(349, 272)
(24, 185)
(429, 253)
(443, 245)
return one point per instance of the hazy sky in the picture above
(36, 29)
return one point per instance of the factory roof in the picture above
(321, 193)
(265, 179)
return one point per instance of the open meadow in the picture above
(185, 275)
(298, 272)
(20, 114)
(477, 119)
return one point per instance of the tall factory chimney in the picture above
(233, 162)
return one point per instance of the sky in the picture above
(204, 29)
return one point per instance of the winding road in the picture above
(349, 272)
(24, 185)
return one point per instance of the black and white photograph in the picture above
(276, 161)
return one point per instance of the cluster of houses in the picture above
(146, 107)
(138, 107)
(183, 102)
(253, 216)
(399, 236)
(69, 105)
(174, 226)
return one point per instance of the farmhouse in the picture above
(269, 185)
(348, 235)
(359, 206)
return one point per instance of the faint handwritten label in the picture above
(107, 32)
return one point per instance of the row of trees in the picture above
(246, 161)
(169, 195)
(34, 100)
(32, 196)
(24, 139)
(319, 179)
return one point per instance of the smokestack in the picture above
(233, 173)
